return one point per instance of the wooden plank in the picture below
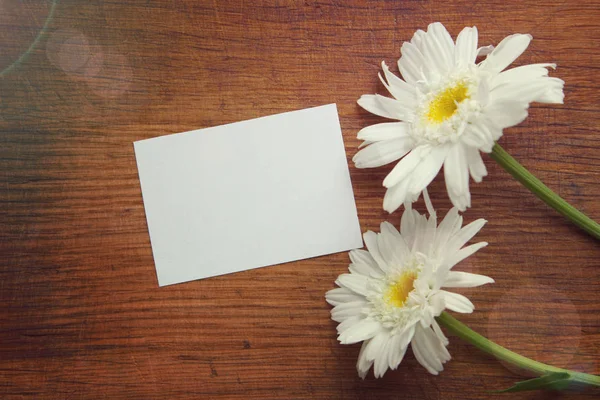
(82, 316)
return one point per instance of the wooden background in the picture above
(81, 315)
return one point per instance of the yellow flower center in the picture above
(397, 293)
(444, 105)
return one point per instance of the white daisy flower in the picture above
(395, 290)
(450, 109)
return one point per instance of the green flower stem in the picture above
(543, 192)
(464, 332)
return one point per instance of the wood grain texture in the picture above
(81, 316)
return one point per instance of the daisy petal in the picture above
(436, 346)
(387, 249)
(406, 165)
(524, 73)
(398, 346)
(504, 114)
(364, 330)
(438, 48)
(391, 238)
(381, 362)
(363, 364)
(385, 107)
(481, 132)
(411, 63)
(390, 230)
(428, 169)
(407, 336)
(370, 239)
(344, 311)
(422, 235)
(430, 209)
(396, 351)
(483, 93)
(347, 323)
(359, 269)
(476, 138)
(466, 47)
(418, 352)
(458, 302)
(418, 39)
(438, 332)
(476, 166)
(408, 225)
(553, 94)
(356, 283)
(364, 144)
(488, 130)
(457, 279)
(384, 131)
(464, 253)
(509, 49)
(342, 295)
(424, 354)
(448, 227)
(363, 257)
(381, 153)
(359, 256)
(545, 90)
(464, 235)
(376, 345)
(396, 357)
(401, 90)
(395, 196)
(484, 51)
(456, 174)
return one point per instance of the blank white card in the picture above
(247, 195)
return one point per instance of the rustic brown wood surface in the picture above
(81, 314)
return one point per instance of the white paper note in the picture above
(247, 195)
